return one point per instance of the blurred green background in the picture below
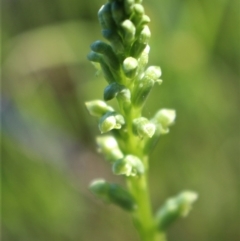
(48, 149)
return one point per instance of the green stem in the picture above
(143, 218)
(138, 187)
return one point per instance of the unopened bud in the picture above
(143, 60)
(143, 127)
(100, 188)
(128, 6)
(145, 35)
(138, 9)
(129, 165)
(145, 20)
(144, 85)
(98, 108)
(105, 17)
(96, 57)
(107, 124)
(153, 72)
(129, 31)
(125, 96)
(107, 73)
(124, 99)
(174, 208)
(117, 12)
(137, 49)
(130, 65)
(113, 193)
(108, 146)
(112, 91)
(122, 197)
(110, 121)
(141, 92)
(101, 20)
(105, 49)
(115, 39)
(120, 120)
(163, 119)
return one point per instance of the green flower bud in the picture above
(108, 146)
(110, 121)
(106, 143)
(98, 108)
(100, 188)
(143, 127)
(94, 57)
(122, 198)
(129, 31)
(128, 6)
(119, 119)
(130, 65)
(143, 87)
(117, 12)
(125, 96)
(112, 91)
(138, 9)
(129, 165)
(113, 193)
(107, 73)
(143, 60)
(100, 47)
(105, 17)
(137, 49)
(174, 208)
(136, 17)
(153, 72)
(107, 124)
(145, 35)
(105, 49)
(163, 119)
(101, 19)
(145, 20)
(115, 39)
(141, 92)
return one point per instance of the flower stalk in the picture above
(130, 136)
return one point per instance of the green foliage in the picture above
(32, 203)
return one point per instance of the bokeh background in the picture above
(48, 149)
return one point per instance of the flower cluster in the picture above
(123, 60)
